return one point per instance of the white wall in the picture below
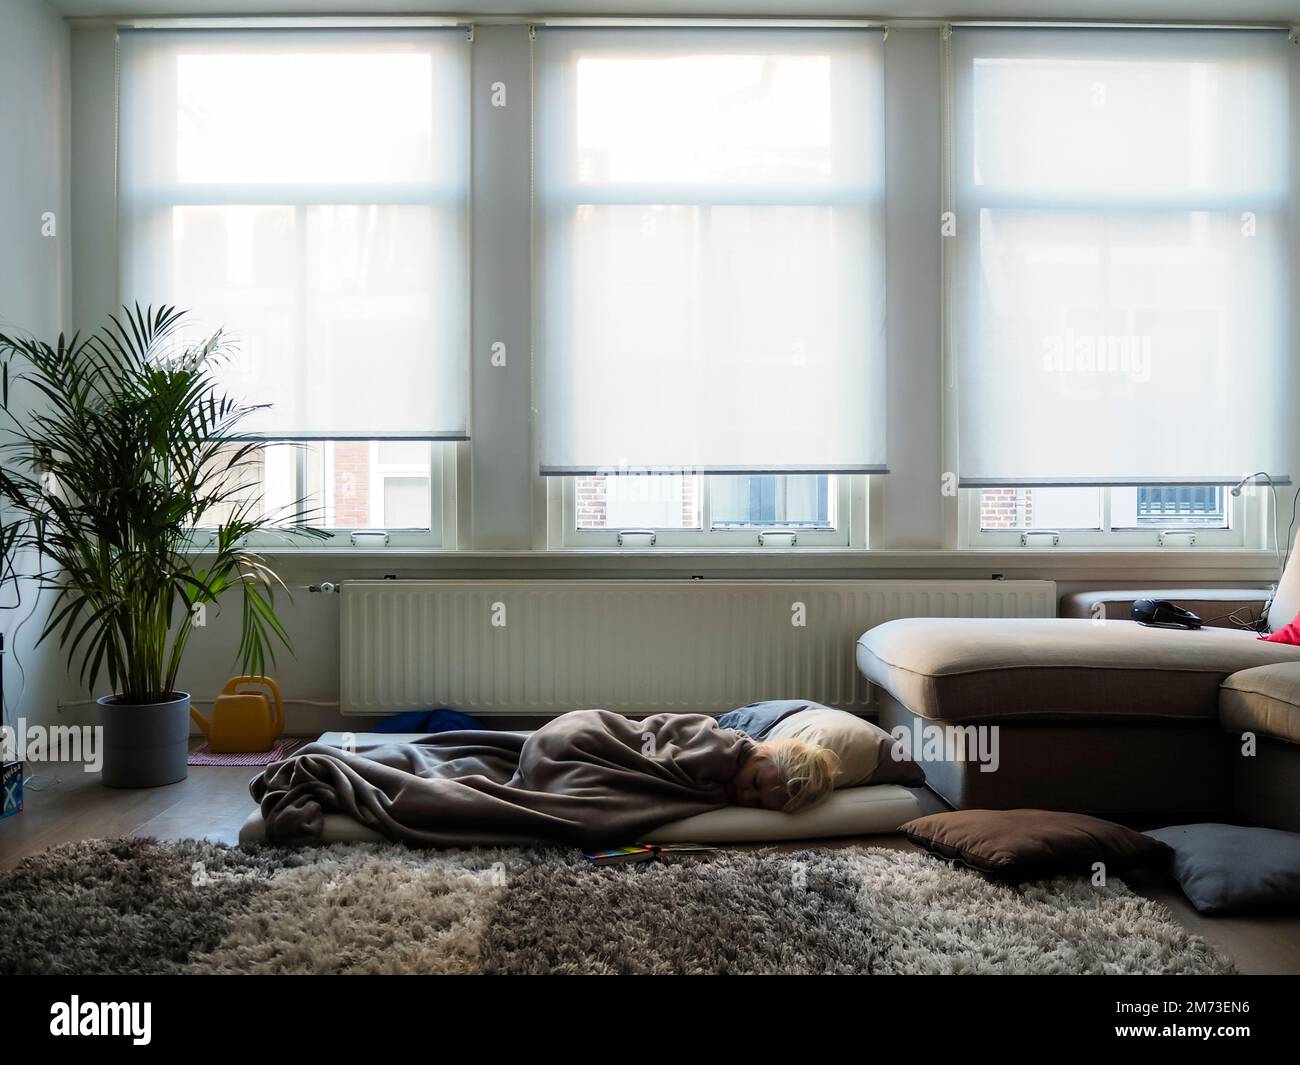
(503, 470)
(94, 179)
(34, 276)
(908, 503)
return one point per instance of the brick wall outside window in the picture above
(352, 484)
(1001, 508)
(690, 504)
(590, 502)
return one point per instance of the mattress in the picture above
(865, 811)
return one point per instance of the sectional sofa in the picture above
(1095, 713)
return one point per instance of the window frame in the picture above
(442, 533)
(850, 495)
(965, 201)
(302, 195)
(448, 451)
(551, 199)
(1247, 528)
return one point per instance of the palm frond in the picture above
(128, 444)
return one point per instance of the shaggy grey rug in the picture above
(143, 906)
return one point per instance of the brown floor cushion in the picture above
(1022, 844)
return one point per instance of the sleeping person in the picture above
(788, 775)
(589, 777)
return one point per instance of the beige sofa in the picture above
(1095, 713)
(1263, 705)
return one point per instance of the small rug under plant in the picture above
(143, 906)
(281, 749)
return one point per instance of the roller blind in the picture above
(1120, 281)
(709, 250)
(308, 191)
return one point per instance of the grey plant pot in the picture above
(145, 746)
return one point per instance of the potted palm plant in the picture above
(128, 448)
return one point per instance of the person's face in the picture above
(757, 784)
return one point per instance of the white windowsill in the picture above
(1127, 565)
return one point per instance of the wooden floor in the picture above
(64, 803)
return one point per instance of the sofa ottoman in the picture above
(1101, 717)
(1264, 703)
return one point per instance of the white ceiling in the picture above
(1164, 10)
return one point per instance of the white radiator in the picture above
(543, 647)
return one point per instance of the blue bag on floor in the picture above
(429, 721)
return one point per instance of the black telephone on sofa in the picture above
(1162, 614)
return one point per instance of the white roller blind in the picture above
(307, 191)
(709, 256)
(1120, 283)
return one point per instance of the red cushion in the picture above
(1288, 633)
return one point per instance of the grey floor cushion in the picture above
(1231, 869)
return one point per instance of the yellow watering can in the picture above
(243, 721)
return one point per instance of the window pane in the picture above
(405, 503)
(1092, 299)
(345, 113)
(803, 500)
(341, 484)
(1053, 119)
(1169, 507)
(638, 501)
(746, 118)
(1040, 508)
(325, 305)
(403, 453)
(307, 192)
(710, 238)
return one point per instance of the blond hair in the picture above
(806, 769)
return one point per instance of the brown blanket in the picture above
(591, 778)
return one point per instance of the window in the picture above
(1118, 282)
(792, 502)
(1149, 515)
(662, 501)
(307, 191)
(694, 510)
(709, 266)
(349, 485)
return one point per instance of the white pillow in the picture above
(867, 753)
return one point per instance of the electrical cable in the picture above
(9, 571)
(11, 566)
(1240, 622)
(13, 650)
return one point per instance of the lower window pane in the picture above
(341, 484)
(803, 501)
(672, 501)
(638, 501)
(406, 502)
(1040, 508)
(1169, 507)
(1156, 506)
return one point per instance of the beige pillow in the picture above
(866, 753)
